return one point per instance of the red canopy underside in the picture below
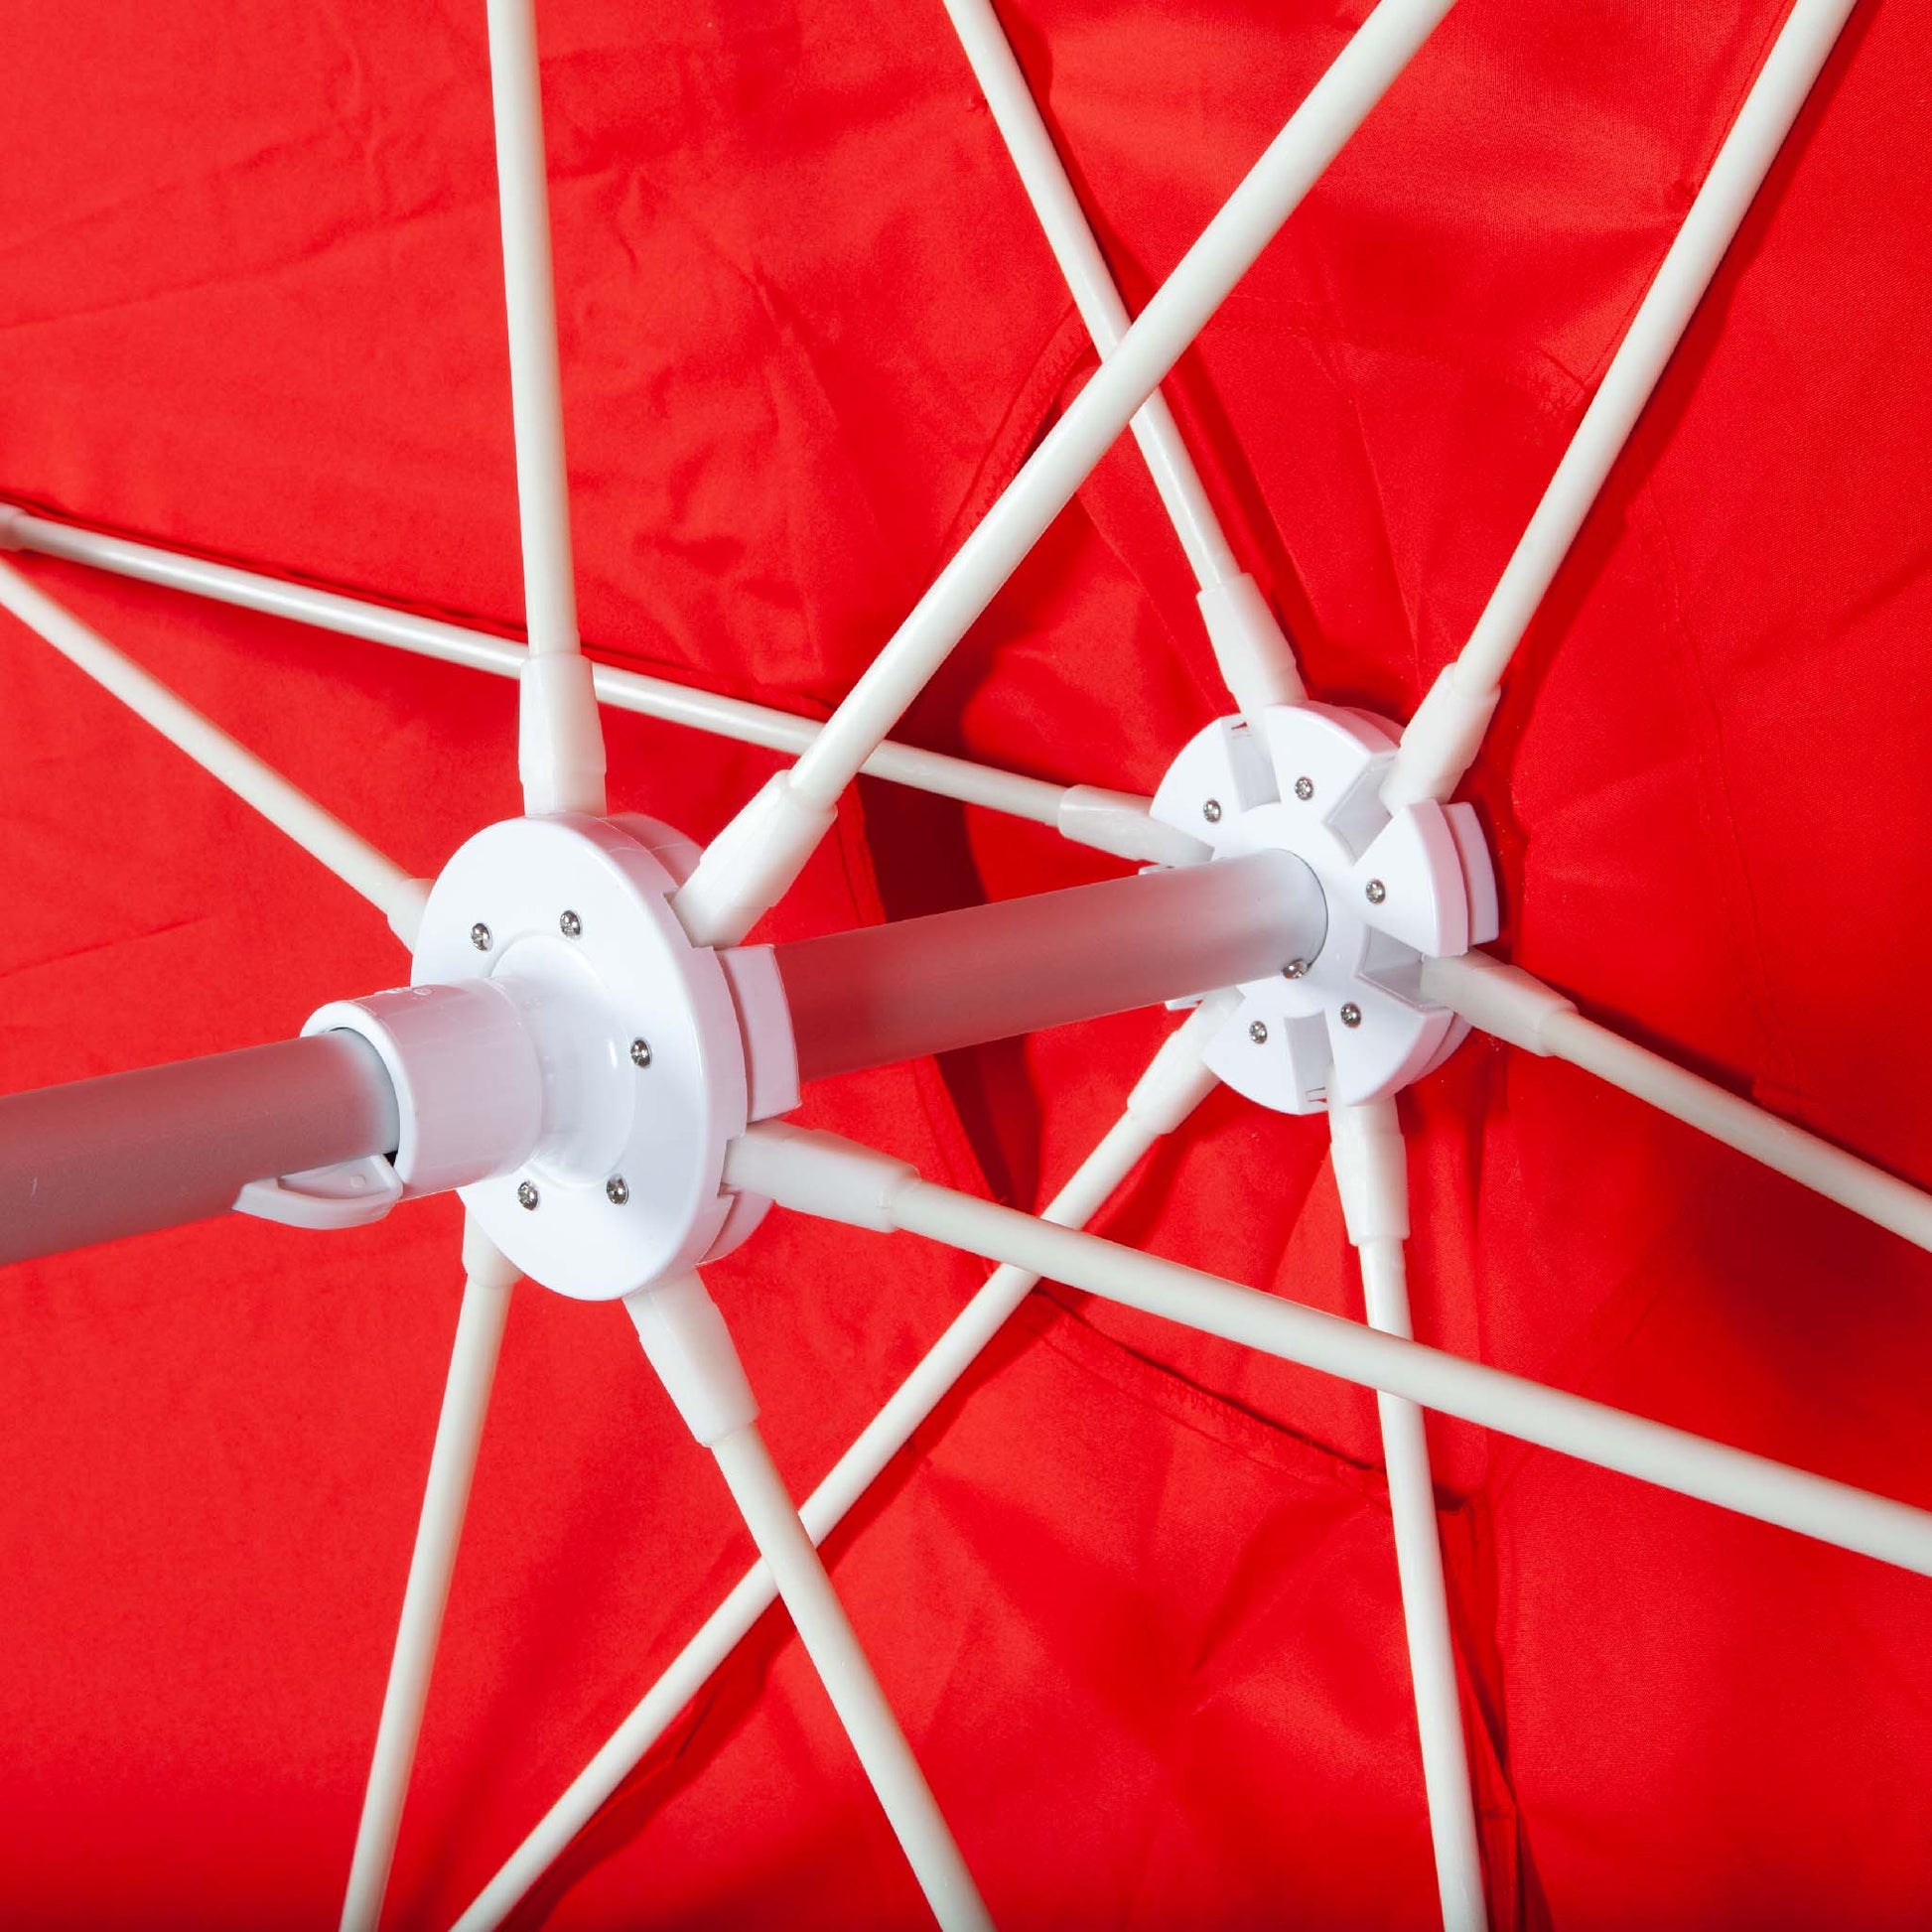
(1132, 1590)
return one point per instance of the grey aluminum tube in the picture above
(129, 1152)
(914, 987)
(133, 1152)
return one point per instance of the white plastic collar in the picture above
(464, 1066)
(821, 1173)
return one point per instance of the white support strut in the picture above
(1513, 1006)
(487, 1284)
(818, 1174)
(1172, 1086)
(1254, 658)
(793, 1562)
(560, 739)
(753, 861)
(1442, 737)
(687, 1341)
(1111, 821)
(1371, 1176)
(350, 856)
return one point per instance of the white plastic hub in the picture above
(638, 1042)
(1354, 1023)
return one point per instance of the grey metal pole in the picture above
(100, 1159)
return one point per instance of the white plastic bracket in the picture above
(350, 1194)
(1352, 1023)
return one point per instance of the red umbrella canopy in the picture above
(1131, 1589)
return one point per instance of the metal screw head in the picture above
(527, 1193)
(480, 936)
(570, 926)
(1212, 811)
(616, 1191)
(640, 1052)
(1377, 892)
(1305, 789)
(1294, 969)
(1258, 1033)
(1351, 1015)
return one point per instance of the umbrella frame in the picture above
(741, 872)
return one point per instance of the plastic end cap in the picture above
(1256, 662)
(1371, 1170)
(819, 1173)
(1441, 741)
(686, 1340)
(1497, 999)
(748, 867)
(560, 737)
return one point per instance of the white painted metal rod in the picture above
(536, 387)
(1293, 161)
(560, 744)
(843, 1668)
(1091, 283)
(1256, 661)
(488, 1279)
(350, 856)
(1671, 1458)
(1371, 1166)
(755, 859)
(1442, 740)
(819, 1173)
(1116, 821)
(1512, 1005)
(1425, 1613)
(1172, 1088)
(687, 1343)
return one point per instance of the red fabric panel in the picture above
(1133, 1591)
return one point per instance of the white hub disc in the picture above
(638, 1039)
(1352, 1024)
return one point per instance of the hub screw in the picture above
(1377, 892)
(1212, 811)
(1294, 969)
(640, 1052)
(527, 1193)
(616, 1191)
(1351, 1015)
(570, 926)
(1305, 789)
(480, 936)
(1258, 1033)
